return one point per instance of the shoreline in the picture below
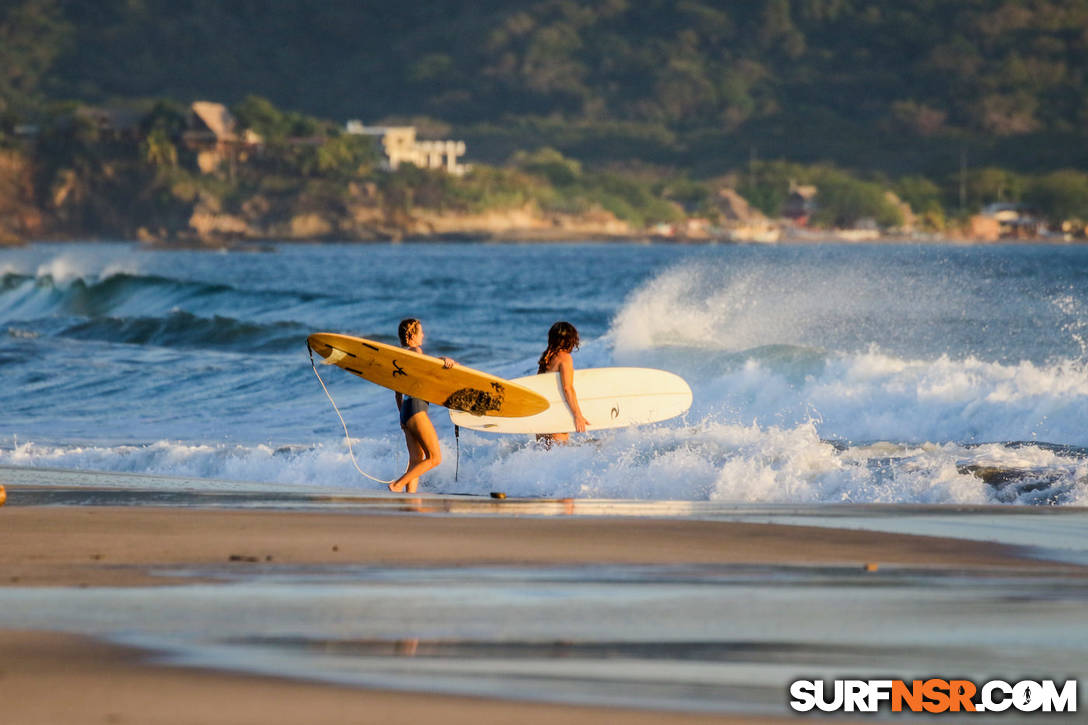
(531, 236)
(96, 557)
(123, 546)
(105, 682)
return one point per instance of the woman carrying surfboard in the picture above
(424, 451)
(562, 341)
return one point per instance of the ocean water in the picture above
(821, 373)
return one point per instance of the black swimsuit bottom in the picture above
(410, 406)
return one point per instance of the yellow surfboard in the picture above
(423, 377)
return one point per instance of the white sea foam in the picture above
(714, 307)
(66, 268)
(779, 350)
(875, 396)
(63, 269)
(1076, 322)
(324, 465)
(705, 461)
(125, 266)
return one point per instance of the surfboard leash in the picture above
(347, 436)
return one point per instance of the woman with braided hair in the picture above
(424, 452)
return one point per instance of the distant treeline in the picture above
(898, 87)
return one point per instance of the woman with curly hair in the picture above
(562, 341)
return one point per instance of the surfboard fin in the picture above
(335, 356)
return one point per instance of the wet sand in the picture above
(51, 679)
(122, 546)
(72, 679)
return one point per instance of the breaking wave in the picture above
(818, 375)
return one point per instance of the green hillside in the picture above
(893, 85)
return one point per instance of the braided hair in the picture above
(408, 327)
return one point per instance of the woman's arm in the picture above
(566, 378)
(447, 362)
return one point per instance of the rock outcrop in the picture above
(258, 219)
(20, 218)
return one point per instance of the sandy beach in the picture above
(108, 547)
(108, 684)
(112, 546)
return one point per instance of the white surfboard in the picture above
(608, 397)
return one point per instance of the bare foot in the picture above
(415, 505)
(397, 486)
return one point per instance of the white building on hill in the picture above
(402, 147)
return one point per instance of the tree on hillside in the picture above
(346, 157)
(766, 184)
(550, 164)
(32, 34)
(844, 201)
(273, 124)
(1060, 196)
